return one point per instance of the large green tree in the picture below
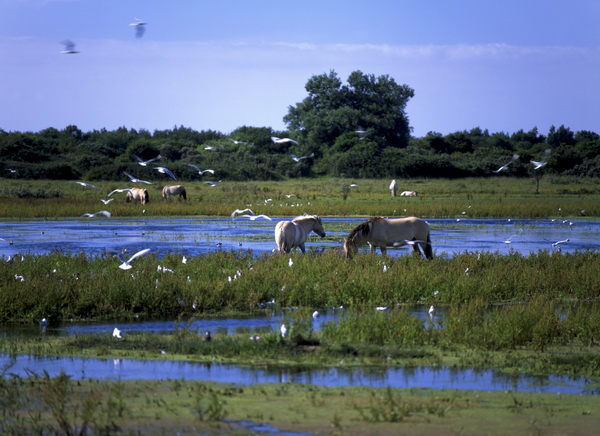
(374, 105)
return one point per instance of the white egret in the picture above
(431, 311)
(282, 140)
(291, 262)
(315, 314)
(283, 330)
(117, 333)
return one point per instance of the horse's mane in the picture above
(306, 217)
(363, 228)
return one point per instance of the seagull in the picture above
(139, 27)
(283, 330)
(236, 142)
(538, 165)
(117, 333)
(255, 217)
(127, 263)
(120, 190)
(134, 180)
(106, 201)
(199, 170)
(298, 159)
(166, 171)
(241, 211)
(86, 184)
(143, 162)
(505, 167)
(69, 47)
(282, 140)
(213, 184)
(557, 243)
(102, 212)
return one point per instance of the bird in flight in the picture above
(238, 211)
(69, 47)
(143, 162)
(298, 159)
(505, 167)
(542, 163)
(282, 140)
(86, 184)
(140, 27)
(121, 190)
(237, 142)
(127, 262)
(106, 201)
(255, 217)
(106, 213)
(213, 184)
(135, 180)
(166, 171)
(199, 170)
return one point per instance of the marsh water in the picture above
(196, 236)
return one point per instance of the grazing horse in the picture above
(393, 188)
(174, 190)
(408, 194)
(382, 232)
(292, 234)
(138, 194)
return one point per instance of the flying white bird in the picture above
(298, 159)
(255, 217)
(117, 333)
(236, 142)
(282, 140)
(199, 170)
(166, 171)
(213, 184)
(127, 262)
(538, 165)
(238, 211)
(6, 240)
(557, 243)
(69, 47)
(121, 190)
(86, 184)
(106, 201)
(505, 167)
(135, 180)
(143, 162)
(102, 212)
(139, 27)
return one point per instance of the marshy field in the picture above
(535, 314)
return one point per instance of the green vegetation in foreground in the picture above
(44, 405)
(498, 197)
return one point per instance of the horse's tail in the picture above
(146, 196)
(183, 194)
(128, 197)
(165, 193)
(428, 248)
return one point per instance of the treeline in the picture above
(249, 153)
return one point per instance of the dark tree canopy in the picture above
(375, 105)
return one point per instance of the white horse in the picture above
(393, 188)
(408, 194)
(292, 234)
(382, 232)
(137, 194)
(174, 190)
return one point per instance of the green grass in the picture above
(495, 197)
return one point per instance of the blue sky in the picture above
(501, 66)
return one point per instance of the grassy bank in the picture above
(438, 198)
(47, 405)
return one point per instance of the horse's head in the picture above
(350, 248)
(318, 227)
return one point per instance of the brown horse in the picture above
(138, 194)
(382, 232)
(174, 190)
(292, 234)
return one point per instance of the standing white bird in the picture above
(199, 170)
(505, 167)
(283, 330)
(127, 262)
(166, 171)
(136, 180)
(69, 47)
(282, 140)
(86, 184)
(117, 333)
(431, 311)
(291, 262)
(315, 314)
(143, 162)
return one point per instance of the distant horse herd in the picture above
(377, 232)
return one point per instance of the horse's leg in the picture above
(383, 250)
(301, 246)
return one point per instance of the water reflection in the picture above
(435, 378)
(199, 236)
